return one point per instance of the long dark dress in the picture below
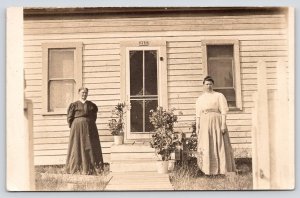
(84, 152)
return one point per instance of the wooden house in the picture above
(146, 57)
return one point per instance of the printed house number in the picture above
(143, 43)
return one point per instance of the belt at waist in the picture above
(82, 117)
(210, 110)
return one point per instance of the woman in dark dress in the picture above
(84, 152)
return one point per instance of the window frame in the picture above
(144, 97)
(236, 67)
(77, 46)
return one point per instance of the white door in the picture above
(142, 90)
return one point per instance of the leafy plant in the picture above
(164, 140)
(116, 124)
(193, 140)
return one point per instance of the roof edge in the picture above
(33, 11)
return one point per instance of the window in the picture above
(143, 88)
(62, 75)
(221, 61)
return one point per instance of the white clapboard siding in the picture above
(261, 37)
(145, 28)
(254, 19)
(185, 67)
(182, 36)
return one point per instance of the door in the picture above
(142, 90)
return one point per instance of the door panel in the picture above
(136, 71)
(142, 90)
(151, 72)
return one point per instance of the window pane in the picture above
(229, 94)
(136, 116)
(136, 72)
(219, 50)
(221, 71)
(61, 63)
(60, 94)
(151, 72)
(149, 104)
(220, 65)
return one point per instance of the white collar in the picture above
(83, 101)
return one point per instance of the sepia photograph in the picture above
(150, 98)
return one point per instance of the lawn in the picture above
(53, 178)
(184, 177)
(188, 177)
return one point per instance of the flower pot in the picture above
(162, 167)
(118, 139)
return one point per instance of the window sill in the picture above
(235, 109)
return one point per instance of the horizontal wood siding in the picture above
(101, 67)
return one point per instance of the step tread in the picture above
(132, 148)
(140, 160)
(140, 180)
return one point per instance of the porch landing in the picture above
(133, 168)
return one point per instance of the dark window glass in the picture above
(221, 71)
(136, 72)
(220, 50)
(136, 116)
(220, 66)
(143, 88)
(150, 72)
(149, 104)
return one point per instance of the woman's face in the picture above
(208, 86)
(83, 94)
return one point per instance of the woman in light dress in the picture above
(214, 150)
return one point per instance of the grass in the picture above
(53, 178)
(184, 177)
(188, 177)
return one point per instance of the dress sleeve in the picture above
(94, 111)
(197, 108)
(70, 114)
(197, 115)
(223, 106)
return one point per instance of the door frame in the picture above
(142, 44)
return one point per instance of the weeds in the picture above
(53, 178)
(188, 177)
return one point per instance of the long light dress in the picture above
(215, 155)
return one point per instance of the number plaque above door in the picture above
(144, 43)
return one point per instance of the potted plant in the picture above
(116, 124)
(164, 139)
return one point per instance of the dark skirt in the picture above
(84, 152)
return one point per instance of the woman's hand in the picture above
(223, 129)
(223, 124)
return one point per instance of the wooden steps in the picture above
(144, 165)
(133, 168)
(132, 157)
